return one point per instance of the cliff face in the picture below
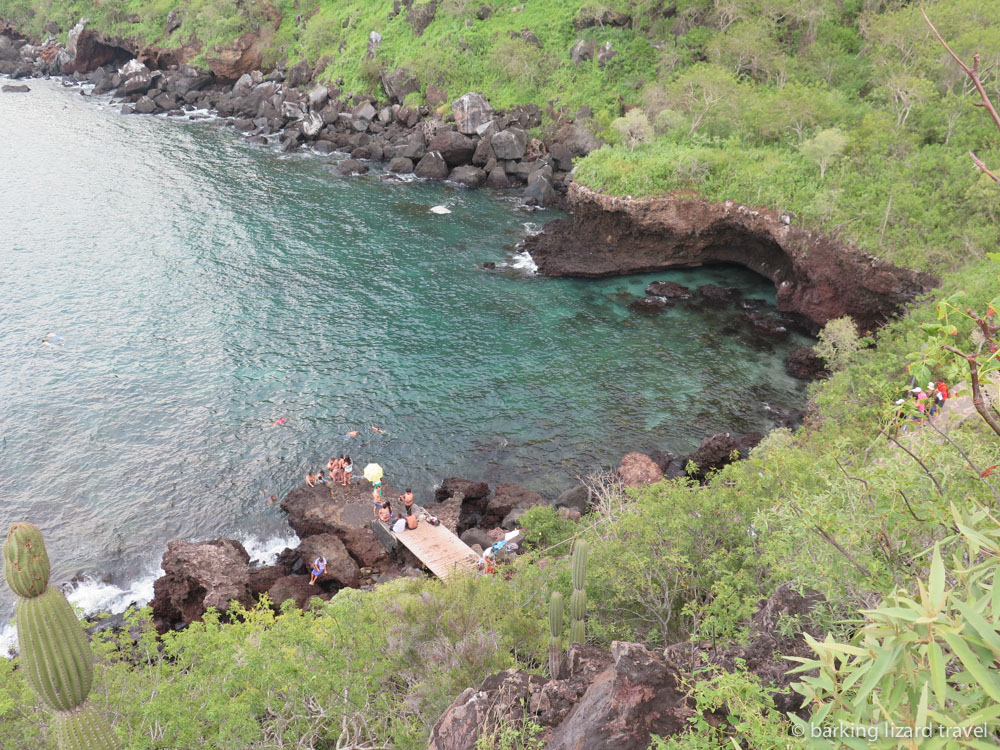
(816, 276)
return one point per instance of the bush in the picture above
(838, 343)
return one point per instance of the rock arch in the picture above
(817, 277)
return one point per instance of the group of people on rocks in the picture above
(341, 471)
(382, 509)
(927, 402)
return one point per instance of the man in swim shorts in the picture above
(377, 496)
(318, 569)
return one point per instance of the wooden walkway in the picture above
(437, 547)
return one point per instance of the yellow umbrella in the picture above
(373, 473)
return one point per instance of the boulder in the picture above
(348, 167)
(145, 106)
(399, 84)
(500, 699)
(401, 165)
(637, 696)
(362, 116)
(198, 575)
(766, 325)
(506, 498)
(467, 488)
(296, 588)
(432, 166)
(483, 153)
(509, 144)
(582, 51)
(363, 546)
(651, 305)
(540, 192)
(340, 566)
(606, 54)
(471, 112)
(456, 149)
(263, 578)
(420, 16)
(318, 97)
(476, 536)
(590, 16)
(435, 97)
(468, 176)
(299, 75)
(569, 514)
(414, 147)
(15, 88)
(497, 178)
(562, 157)
(714, 452)
(136, 79)
(717, 296)
(578, 497)
(668, 289)
(804, 363)
(638, 469)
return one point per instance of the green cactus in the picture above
(25, 562)
(55, 652)
(578, 601)
(555, 634)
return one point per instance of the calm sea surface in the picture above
(199, 289)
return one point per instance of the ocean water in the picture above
(191, 291)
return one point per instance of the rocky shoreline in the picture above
(473, 146)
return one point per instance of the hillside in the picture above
(847, 115)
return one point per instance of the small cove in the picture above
(202, 289)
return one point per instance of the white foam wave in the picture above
(92, 596)
(265, 551)
(531, 228)
(523, 262)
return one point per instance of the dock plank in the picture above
(437, 547)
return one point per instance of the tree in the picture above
(824, 148)
(633, 128)
(838, 342)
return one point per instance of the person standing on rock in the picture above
(377, 495)
(318, 569)
(407, 499)
(347, 471)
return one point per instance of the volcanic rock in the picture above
(668, 289)
(401, 165)
(14, 88)
(432, 166)
(340, 566)
(717, 296)
(638, 470)
(816, 276)
(578, 497)
(296, 588)
(456, 149)
(349, 167)
(198, 575)
(469, 176)
(469, 489)
(714, 453)
(471, 112)
(804, 363)
(509, 143)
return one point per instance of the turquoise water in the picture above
(202, 289)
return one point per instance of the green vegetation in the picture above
(847, 114)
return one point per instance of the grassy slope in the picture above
(776, 72)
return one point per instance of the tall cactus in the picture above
(578, 601)
(555, 634)
(55, 652)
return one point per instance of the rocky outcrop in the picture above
(805, 364)
(606, 700)
(638, 470)
(718, 450)
(198, 575)
(469, 489)
(817, 277)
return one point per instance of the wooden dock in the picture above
(437, 547)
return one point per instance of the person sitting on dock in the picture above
(318, 569)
